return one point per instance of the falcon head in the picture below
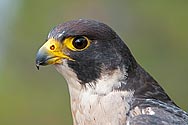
(89, 53)
(104, 80)
(86, 51)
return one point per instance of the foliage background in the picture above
(155, 31)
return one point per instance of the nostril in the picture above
(52, 47)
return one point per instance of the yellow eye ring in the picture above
(78, 43)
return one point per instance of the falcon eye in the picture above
(80, 42)
(52, 47)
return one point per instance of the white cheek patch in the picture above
(69, 75)
(108, 81)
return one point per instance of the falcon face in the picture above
(88, 47)
(106, 84)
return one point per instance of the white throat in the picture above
(105, 84)
(95, 101)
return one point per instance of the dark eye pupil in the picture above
(80, 42)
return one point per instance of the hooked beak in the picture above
(50, 53)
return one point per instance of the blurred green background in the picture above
(155, 31)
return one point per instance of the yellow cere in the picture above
(55, 49)
(68, 42)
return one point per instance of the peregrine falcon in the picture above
(106, 84)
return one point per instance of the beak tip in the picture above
(37, 66)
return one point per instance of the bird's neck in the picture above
(95, 101)
(100, 105)
(145, 86)
(108, 82)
